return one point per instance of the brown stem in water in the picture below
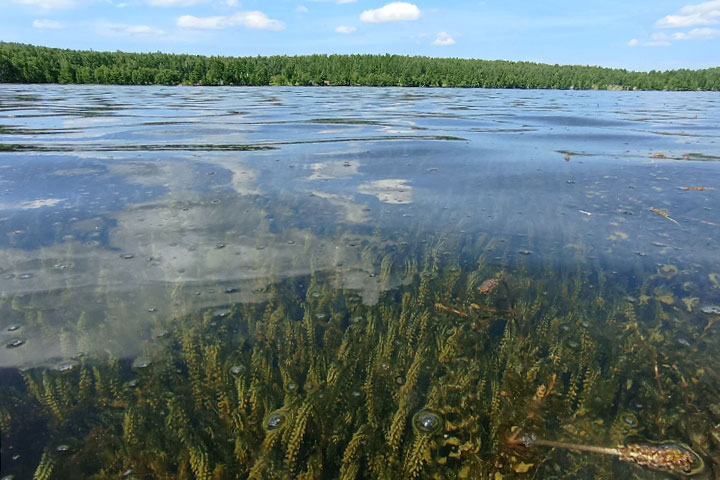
(575, 446)
(669, 457)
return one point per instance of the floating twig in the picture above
(670, 457)
(664, 214)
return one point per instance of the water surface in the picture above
(172, 237)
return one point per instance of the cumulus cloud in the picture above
(706, 13)
(253, 19)
(697, 34)
(42, 23)
(656, 40)
(392, 12)
(345, 29)
(122, 29)
(444, 39)
(49, 4)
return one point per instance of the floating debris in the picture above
(489, 285)
(711, 309)
(670, 457)
(664, 214)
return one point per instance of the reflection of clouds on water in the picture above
(71, 172)
(391, 190)
(146, 236)
(32, 204)
(182, 252)
(41, 202)
(244, 179)
(392, 130)
(175, 261)
(353, 212)
(338, 153)
(173, 175)
(333, 169)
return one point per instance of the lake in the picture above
(350, 283)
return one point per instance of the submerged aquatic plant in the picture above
(310, 382)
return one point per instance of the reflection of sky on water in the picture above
(128, 236)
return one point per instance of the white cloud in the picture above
(301, 9)
(174, 3)
(392, 12)
(706, 13)
(47, 24)
(142, 30)
(698, 34)
(656, 40)
(253, 19)
(121, 29)
(188, 21)
(49, 4)
(345, 29)
(444, 39)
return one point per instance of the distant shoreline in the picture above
(25, 64)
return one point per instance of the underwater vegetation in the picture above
(463, 371)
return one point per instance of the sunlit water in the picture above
(127, 212)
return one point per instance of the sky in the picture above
(637, 35)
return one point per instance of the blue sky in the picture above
(638, 35)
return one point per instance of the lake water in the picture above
(358, 283)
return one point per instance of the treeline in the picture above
(20, 63)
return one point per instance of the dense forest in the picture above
(20, 63)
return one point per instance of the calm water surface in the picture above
(357, 283)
